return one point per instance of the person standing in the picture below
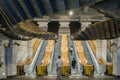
(59, 66)
(73, 65)
(71, 50)
(56, 40)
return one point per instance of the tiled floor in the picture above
(65, 78)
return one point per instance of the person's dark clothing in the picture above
(73, 63)
(71, 50)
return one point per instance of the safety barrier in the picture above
(20, 70)
(88, 70)
(41, 70)
(65, 70)
(109, 68)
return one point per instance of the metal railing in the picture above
(96, 65)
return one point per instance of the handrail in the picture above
(93, 47)
(92, 56)
(29, 68)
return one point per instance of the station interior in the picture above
(33, 33)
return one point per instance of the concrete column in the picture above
(116, 57)
(101, 51)
(10, 59)
(104, 50)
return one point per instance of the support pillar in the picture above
(9, 59)
(101, 51)
(101, 54)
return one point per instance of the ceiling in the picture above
(12, 12)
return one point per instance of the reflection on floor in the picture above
(65, 78)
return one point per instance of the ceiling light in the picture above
(71, 13)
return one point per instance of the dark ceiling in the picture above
(12, 12)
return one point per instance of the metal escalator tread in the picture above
(86, 53)
(56, 54)
(39, 61)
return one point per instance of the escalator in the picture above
(87, 67)
(86, 53)
(41, 55)
(29, 68)
(57, 51)
(99, 64)
(44, 66)
(64, 55)
(73, 71)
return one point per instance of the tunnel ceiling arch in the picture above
(12, 12)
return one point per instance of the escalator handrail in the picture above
(92, 55)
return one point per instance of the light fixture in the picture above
(71, 13)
